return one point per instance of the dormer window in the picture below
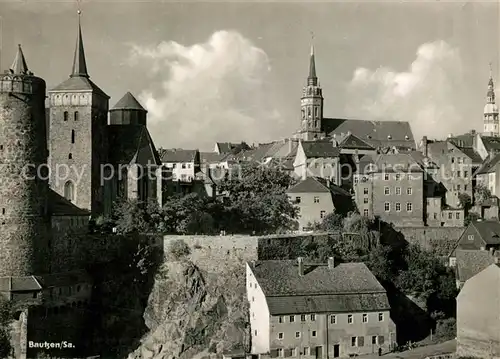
(389, 137)
(407, 137)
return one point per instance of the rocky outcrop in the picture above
(193, 313)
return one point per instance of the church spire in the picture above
(491, 88)
(19, 66)
(79, 63)
(312, 80)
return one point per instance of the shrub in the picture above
(179, 249)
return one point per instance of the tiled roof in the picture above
(225, 147)
(463, 141)
(489, 231)
(179, 155)
(320, 149)
(473, 155)
(60, 206)
(128, 102)
(309, 185)
(489, 165)
(131, 144)
(491, 143)
(351, 141)
(338, 303)
(79, 83)
(19, 284)
(422, 160)
(281, 278)
(212, 157)
(471, 262)
(376, 133)
(396, 161)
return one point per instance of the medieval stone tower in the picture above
(77, 135)
(24, 217)
(311, 104)
(490, 117)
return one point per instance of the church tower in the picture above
(311, 104)
(491, 111)
(24, 218)
(77, 135)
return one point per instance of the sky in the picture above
(234, 70)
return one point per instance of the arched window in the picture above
(69, 191)
(76, 115)
(70, 156)
(65, 115)
(72, 136)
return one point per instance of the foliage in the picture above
(481, 194)
(465, 201)
(446, 329)
(471, 217)
(331, 222)
(179, 249)
(5, 319)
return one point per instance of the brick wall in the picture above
(439, 238)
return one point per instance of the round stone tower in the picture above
(24, 218)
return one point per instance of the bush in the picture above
(179, 249)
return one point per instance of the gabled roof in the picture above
(351, 141)
(491, 143)
(177, 155)
(422, 160)
(489, 165)
(320, 149)
(128, 102)
(131, 144)
(212, 157)
(60, 206)
(463, 141)
(396, 162)
(309, 185)
(19, 66)
(376, 133)
(19, 284)
(488, 230)
(471, 262)
(472, 154)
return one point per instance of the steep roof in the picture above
(131, 144)
(179, 155)
(351, 141)
(19, 284)
(491, 143)
(212, 157)
(472, 154)
(376, 133)
(60, 206)
(309, 185)
(488, 230)
(422, 160)
(396, 162)
(19, 66)
(320, 149)
(471, 262)
(79, 84)
(463, 141)
(489, 165)
(128, 102)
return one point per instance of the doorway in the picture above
(336, 350)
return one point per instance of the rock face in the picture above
(193, 313)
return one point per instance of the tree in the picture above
(331, 222)
(471, 217)
(481, 194)
(465, 201)
(5, 320)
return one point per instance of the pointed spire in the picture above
(312, 80)
(19, 65)
(491, 88)
(79, 63)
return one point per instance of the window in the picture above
(386, 177)
(297, 199)
(374, 339)
(72, 136)
(349, 319)
(409, 207)
(253, 299)
(70, 156)
(458, 187)
(387, 206)
(69, 191)
(398, 207)
(398, 176)
(303, 318)
(459, 159)
(356, 180)
(313, 333)
(465, 174)
(313, 317)
(365, 212)
(458, 215)
(398, 190)
(450, 215)
(184, 165)
(353, 341)
(435, 216)
(465, 187)
(470, 237)
(292, 318)
(365, 318)
(365, 200)
(333, 319)
(380, 317)
(316, 199)
(280, 352)
(3, 210)
(458, 173)
(280, 335)
(255, 332)
(380, 340)
(322, 214)
(365, 190)
(453, 160)
(281, 319)
(361, 341)
(76, 115)
(409, 191)
(297, 334)
(306, 351)
(65, 115)
(387, 191)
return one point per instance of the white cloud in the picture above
(426, 95)
(213, 91)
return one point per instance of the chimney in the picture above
(450, 135)
(328, 182)
(424, 146)
(474, 140)
(300, 262)
(331, 263)
(472, 132)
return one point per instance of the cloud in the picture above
(426, 95)
(208, 92)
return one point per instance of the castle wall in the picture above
(440, 239)
(24, 222)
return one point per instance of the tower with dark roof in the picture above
(490, 114)
(24, 218)
(311, 104)
(78, 137)
(128, 111)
